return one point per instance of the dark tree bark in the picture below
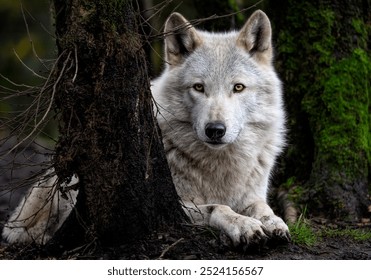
(324, 60)
(109, 136)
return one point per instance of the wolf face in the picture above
(224, 84)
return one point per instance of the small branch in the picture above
(15, 84)
(28, 68)
(30, 39)
(198, 21)
(77, 65)
(50, 102)
(169, 248)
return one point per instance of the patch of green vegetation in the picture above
(356, 234)
(302, 233)
(294, 189)
(235, 8)
(289, 183)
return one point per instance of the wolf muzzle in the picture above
(215, 132)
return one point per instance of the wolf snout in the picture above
(215, 131)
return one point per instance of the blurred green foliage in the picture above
(15, 38)
(26, 42)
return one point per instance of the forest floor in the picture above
(312, 239)
(192, 242)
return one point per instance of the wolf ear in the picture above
(256, 37)
(181, 39)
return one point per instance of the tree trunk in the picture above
(109, 136)
(325, 64)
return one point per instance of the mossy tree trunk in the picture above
(109, 136)
(324, 60)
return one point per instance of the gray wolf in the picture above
(221, 115)
(219, 106)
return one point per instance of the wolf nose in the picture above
(215, 131)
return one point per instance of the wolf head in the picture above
(222, 84)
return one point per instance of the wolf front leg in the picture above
(29, 220)
(242, 230)
(274, 226)
(40, 213)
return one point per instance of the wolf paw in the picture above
(276, 228)
(13, 235)
(245, 231)
(19, 234)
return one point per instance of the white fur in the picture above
(41, 212)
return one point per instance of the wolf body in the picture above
(222, 119)
(219, 107)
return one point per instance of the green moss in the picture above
(356, 234)
(326, 67)
(337, 102)
(340, 116)
(303, 234)
(294, 190)
(362, 29)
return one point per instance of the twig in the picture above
(169, 248)
(50, 103)
(196, 22)
(77, 65)
(28, 68)
(15, 84)
(30, 39)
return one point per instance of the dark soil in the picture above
(192, 242)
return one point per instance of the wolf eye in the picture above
(238, 88)
(199, 87)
